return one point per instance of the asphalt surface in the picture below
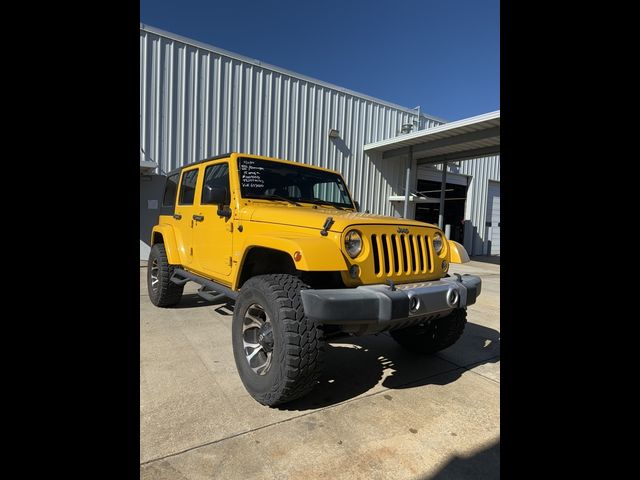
(379, 412)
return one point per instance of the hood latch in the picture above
(327, 225)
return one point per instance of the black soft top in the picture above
(179, 169)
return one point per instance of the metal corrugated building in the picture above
(197, 101)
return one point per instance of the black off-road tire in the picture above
(298, 346)
(162, 291)
(434, 336)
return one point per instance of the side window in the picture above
(188, 187)
(170, 190)
(216, 176)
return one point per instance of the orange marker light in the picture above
(297, 256)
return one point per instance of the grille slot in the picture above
(403, 246)
(376, 254)
(394, 248)
(385, 249)
(427, 251)
(418, 241)
(412, 253)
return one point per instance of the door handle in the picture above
(198, 218)
(177, 216)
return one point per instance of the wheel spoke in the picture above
(262, 369)
(250, 345)
(255, 322)
(255, 351)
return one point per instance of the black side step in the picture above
(210, 295)
(179, 280)
(210, 290)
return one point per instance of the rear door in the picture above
(184, 211)
(212, 232)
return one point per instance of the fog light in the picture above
(414, 303)
(354, 271)
(445, 266)
(452, 298)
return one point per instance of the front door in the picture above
(212, 232)
(183, 215)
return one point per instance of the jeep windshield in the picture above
(281, 181)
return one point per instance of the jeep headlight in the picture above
(353, 243)
(437, 243)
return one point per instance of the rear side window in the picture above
(170, 190)
(188, 187)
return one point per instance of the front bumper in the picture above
(380, 307)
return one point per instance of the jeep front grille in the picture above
(400, 254)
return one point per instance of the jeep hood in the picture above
(314, 218)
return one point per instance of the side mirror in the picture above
(357, 204)
(215, 196)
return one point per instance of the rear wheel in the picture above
(162, 291)
(433, 336)
(278, 350)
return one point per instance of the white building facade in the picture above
(198, 101)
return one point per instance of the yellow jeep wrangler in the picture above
(287, 242)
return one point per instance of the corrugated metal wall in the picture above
(197, 101)
(480, 170)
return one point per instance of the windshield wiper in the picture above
(279, 197)
(329, 204)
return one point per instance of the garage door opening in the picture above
(454, 202)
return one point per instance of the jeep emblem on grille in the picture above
(403, 230)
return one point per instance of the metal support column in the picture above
(443, 187)
(406, 183)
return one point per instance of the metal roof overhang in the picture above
(464, 139)
(147, 167)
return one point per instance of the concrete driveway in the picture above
(378, 413)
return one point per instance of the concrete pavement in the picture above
(379, 412)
